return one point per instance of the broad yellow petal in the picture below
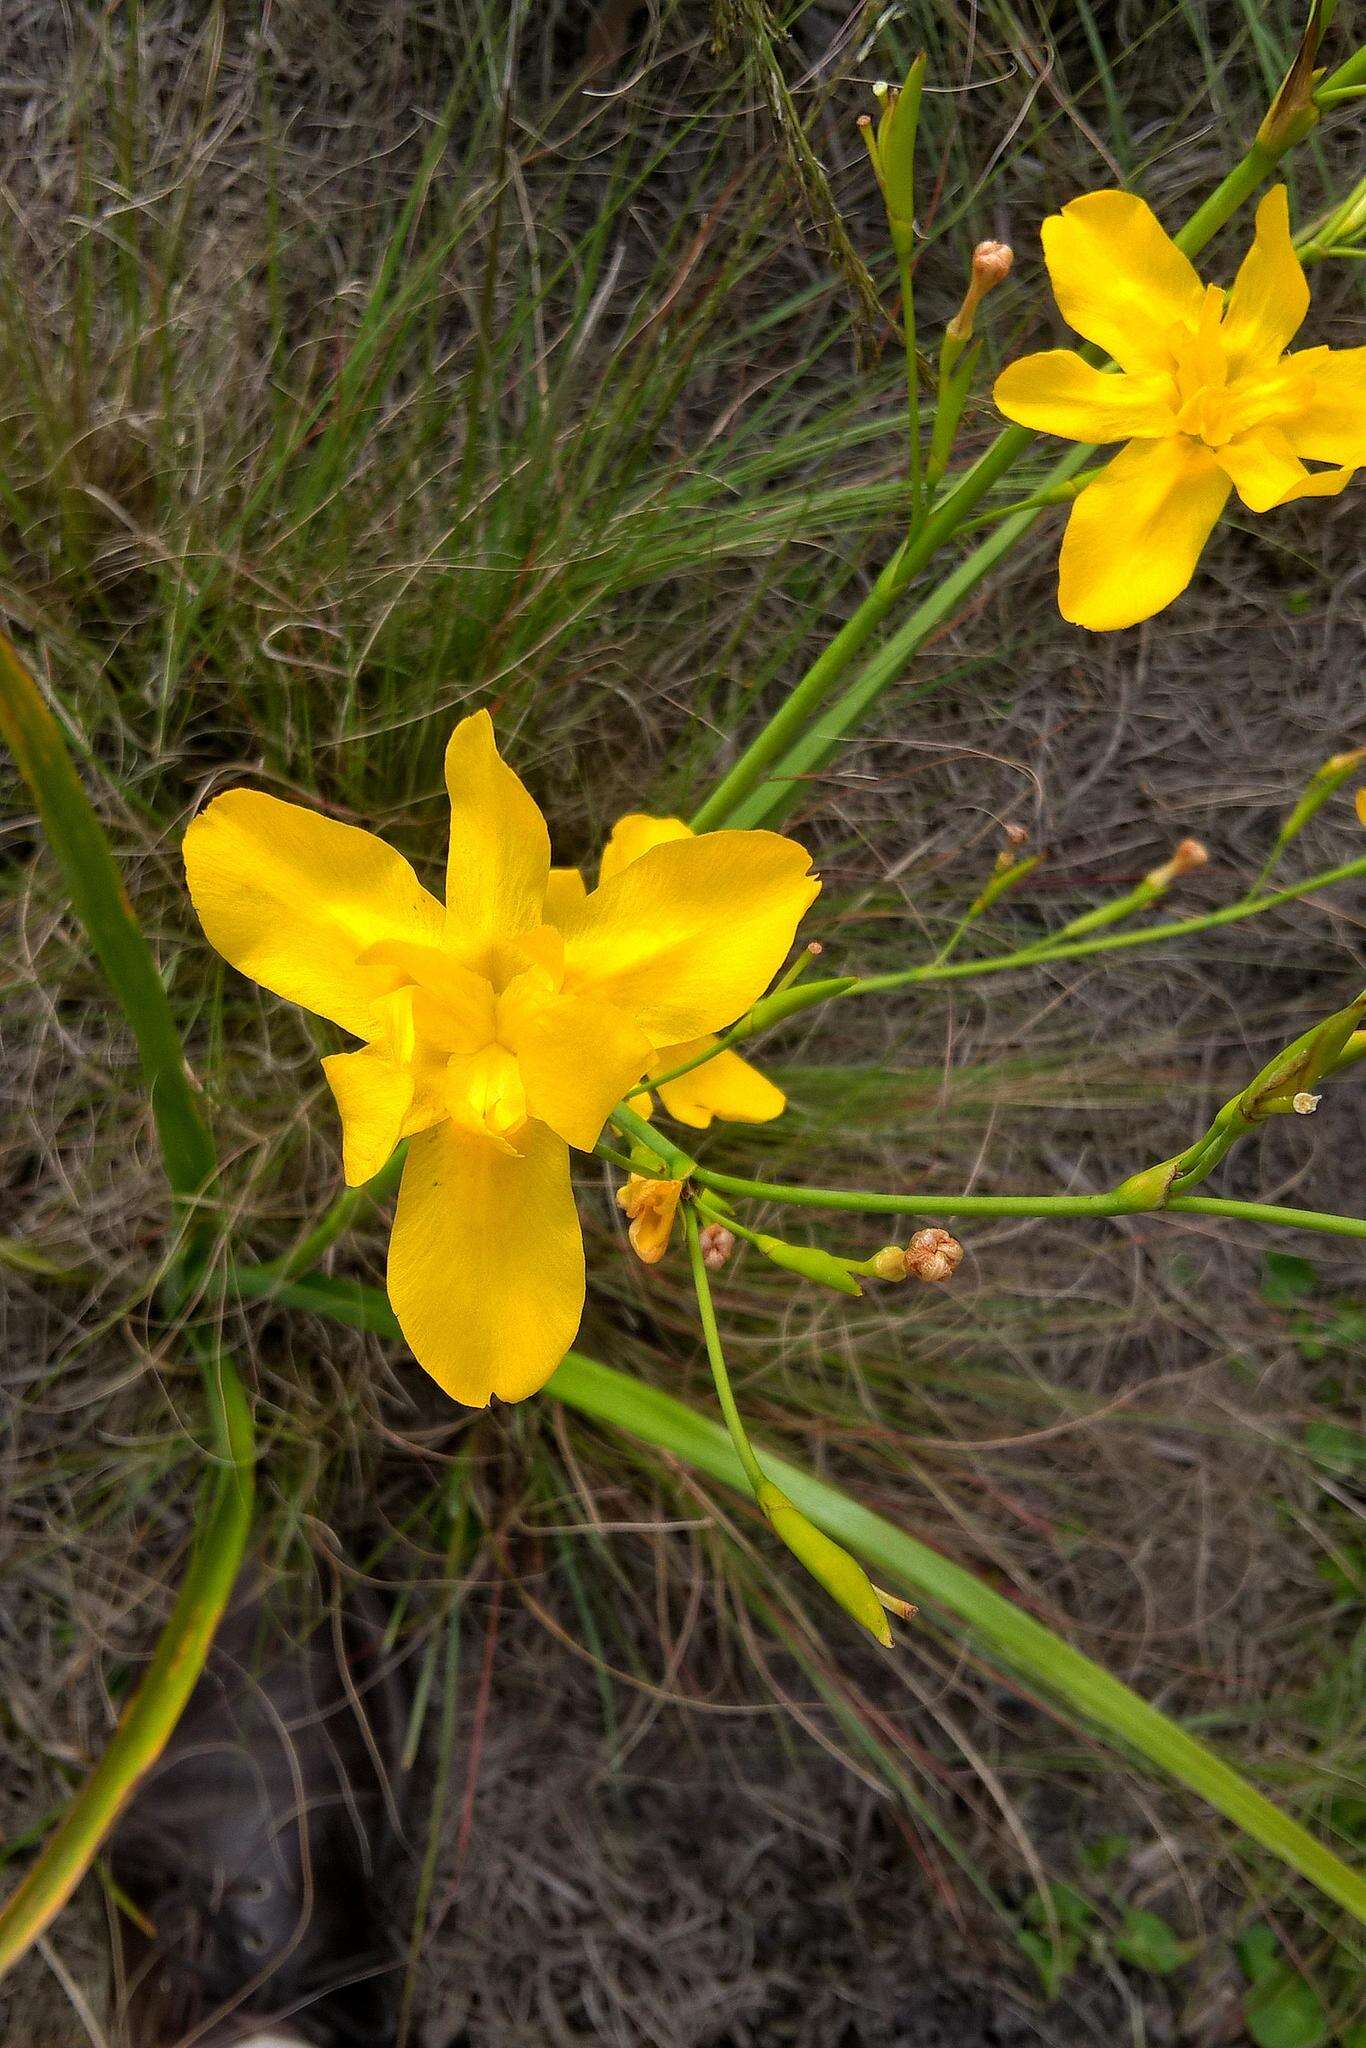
(1270, 297)
(690, 934)
(499, 861)
(635, 834)
(486, 1261)
(1135, 534)
(1058, 393)
(1332, 426)
(1119, 278)
(294, 900)
(374, 1097)
(726, 1086)
(565, 888)
(578, 1058)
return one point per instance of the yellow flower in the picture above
(497, 1030)
(726, 1086)
(651, 1206)
(1206, 398)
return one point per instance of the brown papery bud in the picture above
(991, 265)
(717, 1245)
(1016, 835)
(933, 1255)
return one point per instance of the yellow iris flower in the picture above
(1206, 398)
(497, 1030)
(726, 1086)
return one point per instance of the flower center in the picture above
(1215, 404)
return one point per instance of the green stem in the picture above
(1112, 1202)
(1045, 953)
(716, 1357)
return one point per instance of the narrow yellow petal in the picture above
(1332, 426)
(294, 900)
(486, 1261)
(565, 888)
(374, 1097)
(635, 834)
(1135, 534)
(1119, 279)
(1270, 297)
(578, 1058)
(1058, 393)
(726, 1087)
(499, 862)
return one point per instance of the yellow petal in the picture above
(486, 1261)
(1119, 279)
(726, 1086)
(578, 1057)
(565, 888)
(374, 1097)
(688, 936)
(1332, 426)
(1058, 393)
(499, 861)
(1270, 297)
(1135, 534)
(294, 900)
(635, 834)
(1265, 469)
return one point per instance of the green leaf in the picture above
(1287, 1278)
(82, 851)
(1282, 2011)
(1150, 1943)
(1054, 1961)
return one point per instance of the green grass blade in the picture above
(97, 894)
(151, 1715)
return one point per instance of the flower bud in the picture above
(1304, 1104)
(933, 1255)
(889, 1263)
(991, 265)
(842, 1577)
(651, 1206)
(717, 1245)
(1187, 856)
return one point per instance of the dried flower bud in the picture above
(889, 1263)
(1186, 857)
(991, 265)
(933, 1255)
(651, 1206)
(1016, 835)
(814, 948)
(1304, 1104)
(717, 1245)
